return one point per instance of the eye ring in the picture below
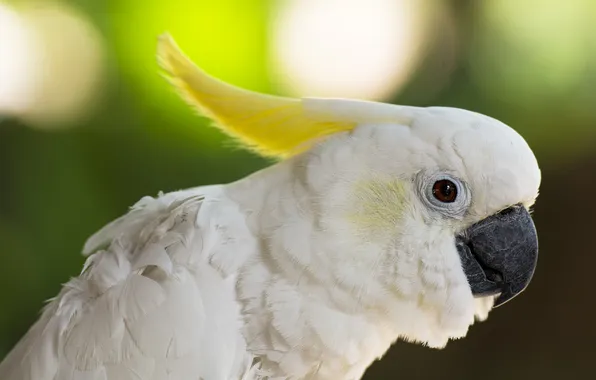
(450, 204)
(445, 191)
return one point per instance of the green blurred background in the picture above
(87, 127)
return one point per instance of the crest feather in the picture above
(271, 125)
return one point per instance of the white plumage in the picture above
(309, 269)
(157, 303)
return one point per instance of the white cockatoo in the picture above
(379, 222)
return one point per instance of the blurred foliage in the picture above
(531, 65)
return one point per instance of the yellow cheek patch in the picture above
(379, 205)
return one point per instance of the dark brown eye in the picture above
(445, 191)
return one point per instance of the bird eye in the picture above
(445, 191)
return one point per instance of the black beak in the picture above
(499, 254)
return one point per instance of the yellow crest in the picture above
(270, 125)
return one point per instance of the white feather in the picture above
(309, 269)
(148, 306)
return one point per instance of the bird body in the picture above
(378, 224)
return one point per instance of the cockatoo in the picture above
(378, 222)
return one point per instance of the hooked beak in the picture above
(499, 254)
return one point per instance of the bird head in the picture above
(425, 210)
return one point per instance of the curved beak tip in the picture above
(499, 254)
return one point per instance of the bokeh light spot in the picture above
(16, 62)
(51, 64)
(345, 48)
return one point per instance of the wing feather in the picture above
(148, 303)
